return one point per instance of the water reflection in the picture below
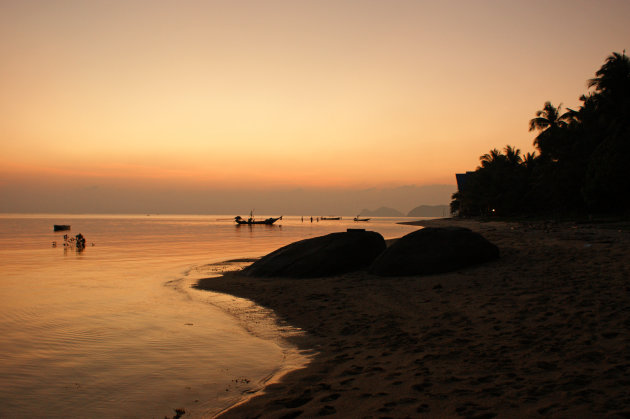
(100, 335)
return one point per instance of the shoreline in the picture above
(541, 331)
(259, 322)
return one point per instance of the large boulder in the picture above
(434, 250)
(332, 254)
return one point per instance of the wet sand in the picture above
(542, 332)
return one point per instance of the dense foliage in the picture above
(580, 162)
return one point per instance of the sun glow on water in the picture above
(116, 329)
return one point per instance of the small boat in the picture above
(330, 218)
(61, 227)
(361, 219)
(250, 221)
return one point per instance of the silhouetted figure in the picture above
(80, 240)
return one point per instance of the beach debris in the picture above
(434, 250)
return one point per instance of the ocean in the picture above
(116, 330)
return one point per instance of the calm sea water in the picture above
(117, 331)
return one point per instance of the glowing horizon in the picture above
(284, 94)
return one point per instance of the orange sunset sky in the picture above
(139, 99)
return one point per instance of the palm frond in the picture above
(539, 123)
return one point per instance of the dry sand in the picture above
(541, 332)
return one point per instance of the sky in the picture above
(213, 106)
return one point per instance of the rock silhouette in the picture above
(434, 250)
(332, 254)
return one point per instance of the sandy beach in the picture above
(541, 332)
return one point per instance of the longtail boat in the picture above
(250, 221)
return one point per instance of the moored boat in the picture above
(61, 227)
(250, 221)
(361, 219)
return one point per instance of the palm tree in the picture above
(550, 121)
(513, 155)
(491, 158)
(614, 76)
(609, 136)
(529, 160)
(549, 118)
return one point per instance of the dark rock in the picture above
(332, 254)
(434, 250)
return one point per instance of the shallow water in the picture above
(117, 331)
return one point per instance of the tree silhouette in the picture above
(614, 76)
(492, 158)
(550, 121)
(609, 123)
(582, 160)
(513, 155)
(498, 186)
(529, 160)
